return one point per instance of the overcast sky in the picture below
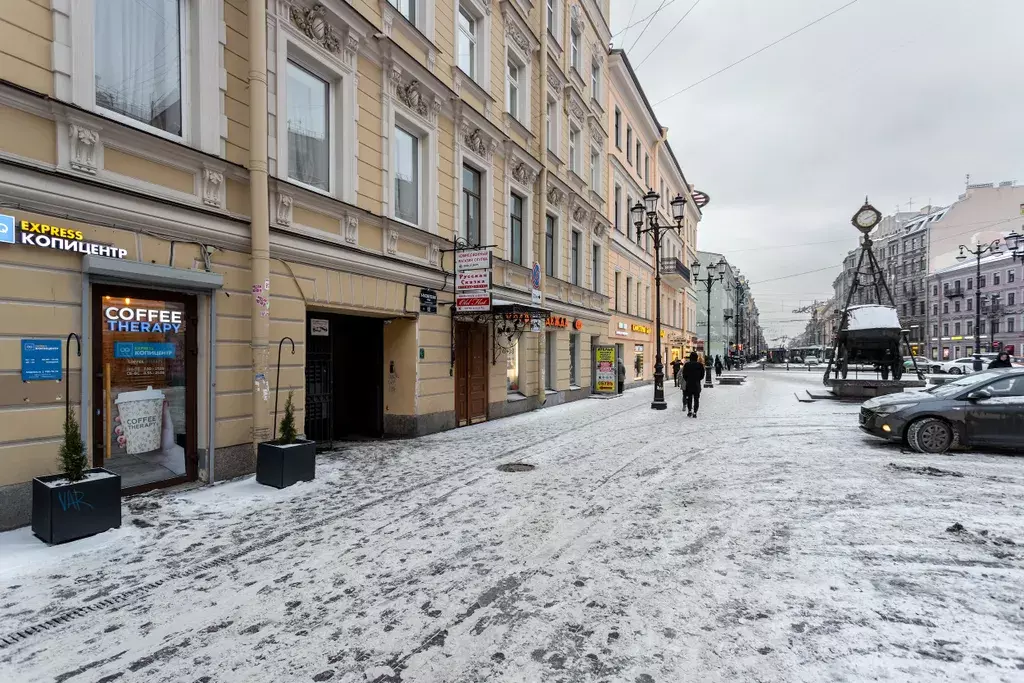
(896, 99)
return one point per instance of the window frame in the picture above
(511, 251)
(480, 196)
(512, 88)
(419, 174)
(575, 265)
(576, 51)
(575, 148)
(629, 144)
(551, 264)
(331, 123)
(574, 360)
(595, 169)
(555, 124)
(473, 38)
(618, 129)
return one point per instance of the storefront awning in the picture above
(120, 270)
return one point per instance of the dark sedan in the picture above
(983, 409)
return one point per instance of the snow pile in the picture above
(872, 317)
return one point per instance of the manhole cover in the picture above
(516, 467)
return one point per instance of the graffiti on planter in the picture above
(72, 499)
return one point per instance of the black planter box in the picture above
(71, 511)
(281, 466)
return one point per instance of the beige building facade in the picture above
(196, 188)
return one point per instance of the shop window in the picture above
(512, 369)
(638, 361)
(574, 360)
(551, 351)
(143, 399)
(138, 61)
(309, 144)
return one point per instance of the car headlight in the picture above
(891, 408)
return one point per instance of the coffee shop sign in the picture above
(53, 237)
(123, 319)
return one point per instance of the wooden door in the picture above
(470, 373)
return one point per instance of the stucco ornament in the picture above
(314, 24)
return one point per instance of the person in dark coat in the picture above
(693, 376)
(622, 376)
(1002, 361)
(718, 366)
(676, 365)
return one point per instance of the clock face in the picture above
(866, 218)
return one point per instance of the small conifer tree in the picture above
(72, 451)
(288, 423)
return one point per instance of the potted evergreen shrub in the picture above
(79, 502)
(287, 459)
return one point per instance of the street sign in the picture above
(535, 283)
(474, 259)
(474, 279)
(40, 360)
(318, 327)
(473, 302)
(428, 301)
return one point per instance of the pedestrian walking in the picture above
(622, 376)
(718, 366)
(676, 365)
(1002, 361)
(728, 362)
(693, 376)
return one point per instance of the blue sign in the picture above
(41, 360)
(6, 229)
(143, 350)
(536, 275)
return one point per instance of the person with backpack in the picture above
(693, 377)
(718, 366)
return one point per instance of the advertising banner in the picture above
(472, 303)
(476, 259)
(477, 279)
(41, 360)
(605, 374)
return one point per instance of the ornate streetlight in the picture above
(716, 273)
(978, 251)
(1017, 250)
(656, 229)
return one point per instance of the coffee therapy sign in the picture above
(125, 319)
(52, 237)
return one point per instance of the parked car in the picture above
(811, 360)
(982, 409)
(923, 364)
(965, 365)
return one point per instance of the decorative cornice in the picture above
(213, 188)
(555, 196)
(84, 142)
(314, 24)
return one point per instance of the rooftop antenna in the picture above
(968, 180)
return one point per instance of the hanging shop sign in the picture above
(125, 319)
(473, 280)
(52, 237)
(472, 259)
(605, 374)
(577, 324)
(557, 321)
(642, 329)
(41, 360)
(472, 302)
(319, 327)
(428, 301)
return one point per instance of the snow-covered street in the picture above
(768, 540)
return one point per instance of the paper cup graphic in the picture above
(141, 419)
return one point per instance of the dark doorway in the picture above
(470, 373)
(344, 377)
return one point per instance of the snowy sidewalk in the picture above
(767, 540)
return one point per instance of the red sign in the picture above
(578, 324)
(558, 321)
(472, 303)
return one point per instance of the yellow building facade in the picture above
(223, 203)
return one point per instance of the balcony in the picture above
(953, 293)
(674, 272)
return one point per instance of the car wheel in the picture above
(955, 370)
(930, 435)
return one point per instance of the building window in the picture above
(945, 307)
(904, 309)
(945, 329)
(138, 61)
(309, 151)
(552, 125)
(629, 218)
(552, 17)
(956, 306)
(617, 216)
(935, 289)
(407, 176)
(995, 327)
(467, 42)
(639, 302)
(574, 149)
(516, 228)
(970, 327)
(629, 145)
(935, 309)
(970, 304)
(595, 269)
(935, 330)
(1009, 325)
(618, 128)
(1010, 276)
(595, 171)
(575, 54)
(618, 280)
(512, 95)
(639, 148)
(956, 329)
(574, 258)
(970, 283)
(629, 295)
(981, 327)
(1011, 298)
(512, 369)
(995, 279)
(981, 282)
(574, 360)
(407, 8)
(595, 80)
(471, 187)
(549, 245)
(647, 170)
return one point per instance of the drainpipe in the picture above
(260, 218)
(542, 202)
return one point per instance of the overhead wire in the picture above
(754, 54)
(635, 2)
(639, 21)
(692, 7)
(646, 26)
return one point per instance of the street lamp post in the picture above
(656, 230)
(978, 251)
(741, 292)
(709, 281)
